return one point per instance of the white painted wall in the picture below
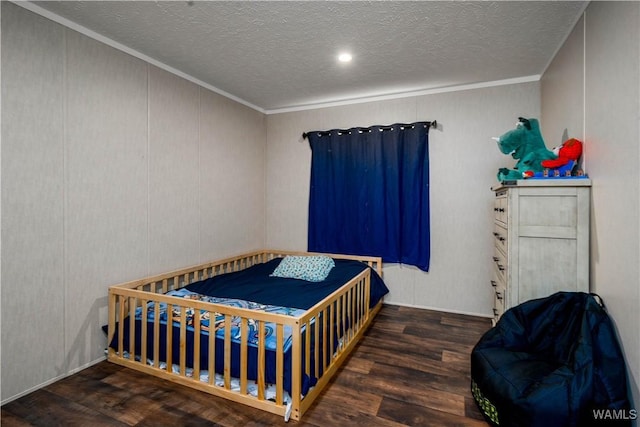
(33, 298)
(112, 169)
(463, 164)
(592, 89)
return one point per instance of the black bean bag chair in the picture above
(549, 362)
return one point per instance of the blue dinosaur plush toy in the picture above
(526, 145)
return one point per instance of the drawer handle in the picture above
(495, 233)
(494, 283)
(502, 239)
(496, 259)
(501, 210)
(495, 311)
(500, 267)
(499, 295)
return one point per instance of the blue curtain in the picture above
(369, 192)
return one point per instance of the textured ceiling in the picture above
(282, 55)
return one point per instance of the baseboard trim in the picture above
(422, 307)
(53, 380)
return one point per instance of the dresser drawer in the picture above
(500, 265)
(500, 237)
(500, 207)
(498, 304)
(499, 296)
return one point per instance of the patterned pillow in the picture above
(310, 268)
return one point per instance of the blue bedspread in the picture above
(255, 284)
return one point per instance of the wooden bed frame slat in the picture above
(279, 365)
(196, 344)
(348, 306)
(244, 325)
(227, 352)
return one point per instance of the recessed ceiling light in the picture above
(345, 57)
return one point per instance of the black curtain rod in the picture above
(433, 123)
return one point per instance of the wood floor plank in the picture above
(43, 408)
(425, 363)
(406, 388)
(442, 382)
(413, 415)
(410, 369)
(450, 337)
(465, 321)
(348, 400)
(9, 419)
(360, 365)
(118, 403)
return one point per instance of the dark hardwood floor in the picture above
(411, 369)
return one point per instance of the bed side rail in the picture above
(176, 279)
(337, 323)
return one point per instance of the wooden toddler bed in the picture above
(231, 329)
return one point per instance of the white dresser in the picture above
(541, 235)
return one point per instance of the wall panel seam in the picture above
(148, 66)
(65, 183)
(200, 190)
(584, 89)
